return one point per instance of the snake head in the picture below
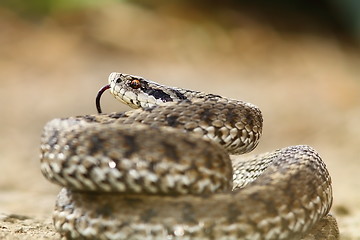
(138, 92)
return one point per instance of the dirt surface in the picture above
(307, 86)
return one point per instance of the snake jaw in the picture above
(98, 96)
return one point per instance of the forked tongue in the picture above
(98, 96)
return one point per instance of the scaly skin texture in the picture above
(163, 171)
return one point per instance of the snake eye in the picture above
(135, 84)
(118, 80)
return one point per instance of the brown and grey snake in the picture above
(169, 170)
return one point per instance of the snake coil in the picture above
(170, 170)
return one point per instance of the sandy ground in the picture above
(306, 85)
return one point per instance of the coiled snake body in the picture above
(163, 171)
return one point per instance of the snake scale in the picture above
(169, 169)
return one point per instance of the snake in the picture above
(171, 168)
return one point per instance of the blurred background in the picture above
(299, 61)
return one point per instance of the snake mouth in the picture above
(98, 96)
